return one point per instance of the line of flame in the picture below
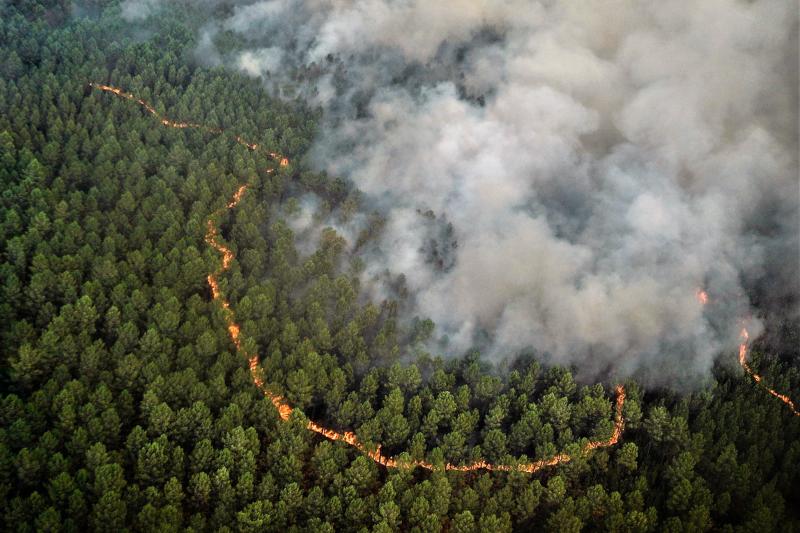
(282, 406)
(702, 297)
(745, 336)
(183, 125)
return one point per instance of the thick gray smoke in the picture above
(555, 176)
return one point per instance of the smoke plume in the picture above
(555, 177)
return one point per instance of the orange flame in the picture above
(757, 378)
(182, 125)
(702, 297)
(283, 408)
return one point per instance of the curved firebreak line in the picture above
(284, 409)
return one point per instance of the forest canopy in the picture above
(126, 405)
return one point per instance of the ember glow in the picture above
(744, 336)
(702, 296)
(212, 238)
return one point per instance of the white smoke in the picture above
(133, 10)
(598, 161)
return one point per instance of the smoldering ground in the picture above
(595, 162)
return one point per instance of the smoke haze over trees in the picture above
(125, 403)
(608, 158)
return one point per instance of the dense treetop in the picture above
(124, 405)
